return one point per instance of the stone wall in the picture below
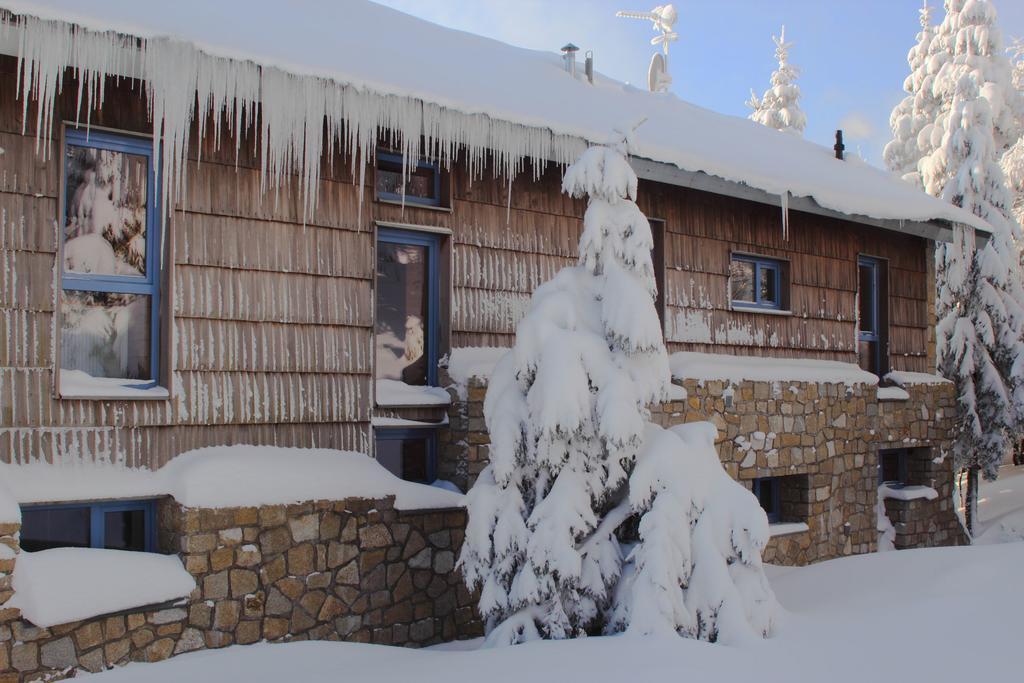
(823, 438)
(355, 570)
(463, 447)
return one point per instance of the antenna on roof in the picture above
(664, 18)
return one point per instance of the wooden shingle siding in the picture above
(272, 334)
(272, 319)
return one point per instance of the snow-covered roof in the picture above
(378, 52)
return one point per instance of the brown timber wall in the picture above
(273, 319)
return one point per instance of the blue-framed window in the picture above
(409, 453)
(110, 279)
(871, 332)
(756, 282)
(893, 466)
(408, 301)
(421, 186)
(116, 525)
(768, 491)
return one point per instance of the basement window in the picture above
(758, 282)
(114, 525)
(408, 453)
(421, 186)
(768, 491)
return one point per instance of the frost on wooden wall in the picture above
(300, 118)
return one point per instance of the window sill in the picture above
(757, 309)
(414, 205)
(786, 528)
(80, 386)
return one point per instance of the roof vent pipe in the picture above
(589, 66)
(569, 58)
(839, 147)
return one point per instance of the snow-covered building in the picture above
(314, 229)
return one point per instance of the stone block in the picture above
(243, 582)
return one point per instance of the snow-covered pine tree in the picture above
(1013, 159)
(918, 109)
(566, 411)
(981, 320)
(779, 107)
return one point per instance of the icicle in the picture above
(785, 215)
(302, 117)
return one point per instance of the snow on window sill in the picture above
(75, 384)
(906, 493)
(758, 309)
(398, 422)
(786, 528)
(396, 394)
(892, 394)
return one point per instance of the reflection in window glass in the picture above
(867, 298)
(402, 300)
(125, 530)
(741, 280)
(105, 212)
(407, 458)
(106, 334)
(42, 529)
(768, 284)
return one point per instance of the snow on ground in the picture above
(1001, 507)
(721, 366)
(887, 617)
(225, 476)
(63, 585)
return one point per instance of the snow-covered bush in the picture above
(573, 458)
(779, 107)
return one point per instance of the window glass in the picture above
(124, 530)
(42, 529)
(768, 282)
(106, 334)
(406, 458)
(767, 495)
(105, 212)
(402, 310)
(891, 466)
(741, 280)
(422, 182)
(867, 298)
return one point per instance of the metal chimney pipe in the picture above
(839, 146)
(589, 66)
(569, 58)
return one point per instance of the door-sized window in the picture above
(409, 454)
(757, 282)
(408, 300)
(118, 525)
(872, 328)
(110, 279)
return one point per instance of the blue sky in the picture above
(852, 53)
